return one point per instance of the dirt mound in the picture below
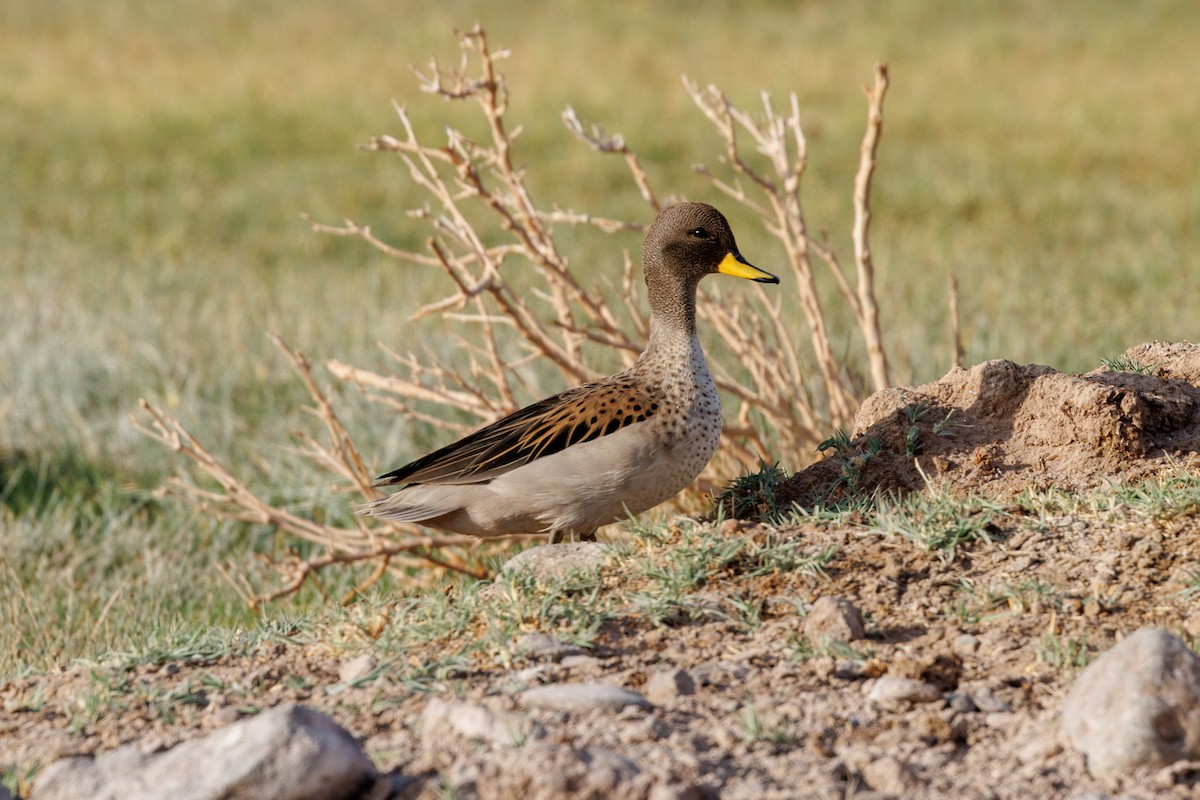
(999, 428)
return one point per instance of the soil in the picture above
(1001, 627)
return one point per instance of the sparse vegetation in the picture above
(1063, 652)
(756, 728)
(1126, 364)
(752, 496)
(937, 522)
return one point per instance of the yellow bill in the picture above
(733, 264)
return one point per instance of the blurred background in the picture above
(155, 158)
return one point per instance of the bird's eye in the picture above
(699, 233)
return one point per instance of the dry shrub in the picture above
(485, 228)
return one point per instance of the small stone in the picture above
(1136, 705)
(965, 644)
(1091, 607)
(558, 560)
(893, 692)
(848, 669)
(356, 668)
(890, 776)
(541, 647)
(962, 702)
(988, 702)
(666, 685)
(833, 619)
(581, 697)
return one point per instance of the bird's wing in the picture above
(577, 415)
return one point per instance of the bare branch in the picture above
(868, 308)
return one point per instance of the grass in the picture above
(938, 522)
(1126, 364)
(1064, 652)
(157, 156)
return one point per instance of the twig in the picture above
(955, 323)
(868, 308)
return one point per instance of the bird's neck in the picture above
(673, 310)
(673, 348)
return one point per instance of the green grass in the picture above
(156, 156)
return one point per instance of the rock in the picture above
(581, 697)
(962, 702)
(1136, 705)
(893, 692)
(288, 753)
(987, 701)
(668, 684)
(545, 771)
(356, 668)
(4, 794)
(558, 560)
(833, 619)
(444, 721)
(965, 644)
(541, 647)
(891, 776)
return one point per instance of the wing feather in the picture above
(549, 426)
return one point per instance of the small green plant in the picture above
(854, 460)
(798, 648)
(912, 437)
(944, 427)
(752, 496)
(1061, 653)
(789, 556)
(18, 779)
(756, 729)
(1169, 496)
(839, 441)
(1127, 364)
(748, 611)
(847, 652)
(659, 609)
(939, 522)
(1020, 597)
(690, 563)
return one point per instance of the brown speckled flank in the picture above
(599, 452)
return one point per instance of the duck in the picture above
(604, 451)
